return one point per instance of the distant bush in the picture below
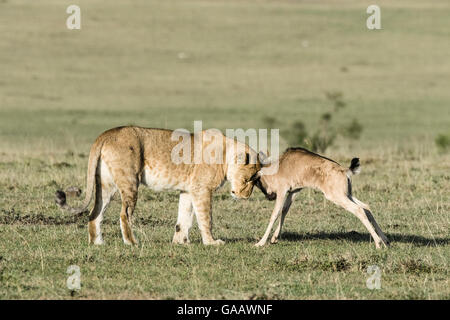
(443, 142)
(322, 138)
(336, 97)
(269, 122)
(326, 132)
(320, 141)
(298, 134)
(353, 130)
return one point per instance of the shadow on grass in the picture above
(354, 236)
(351, 236)
(11, 217)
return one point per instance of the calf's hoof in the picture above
(260, 244)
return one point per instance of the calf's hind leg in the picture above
(372, 221)
(365, 217)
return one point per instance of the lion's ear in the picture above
(243, 158)
(247, 158)
(261, 156)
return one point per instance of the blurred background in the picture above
(310, 68)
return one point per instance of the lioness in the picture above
(124, 157)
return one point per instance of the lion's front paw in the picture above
(179, 238)
(99, 242)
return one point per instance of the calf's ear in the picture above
(261, 156)
(263, 159)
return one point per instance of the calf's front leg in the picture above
(287, 204)
(275, 213)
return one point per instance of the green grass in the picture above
(244, 60)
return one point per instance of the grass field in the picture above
(229, 64)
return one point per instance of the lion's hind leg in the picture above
(123, 157)
(127, 182)
(105, 189)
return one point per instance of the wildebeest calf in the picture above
(300, 168)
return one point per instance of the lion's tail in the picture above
(60, 196)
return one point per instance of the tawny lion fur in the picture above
(123, 158)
